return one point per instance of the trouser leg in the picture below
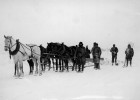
(115, 59)
(112, 59)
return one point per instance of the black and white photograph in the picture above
(69, 49)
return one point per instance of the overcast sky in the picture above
(71, 21)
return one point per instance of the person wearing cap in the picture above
(96, 53)
(129, 52)
(114, 51)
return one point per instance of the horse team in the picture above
(60, 55)
(55, 55)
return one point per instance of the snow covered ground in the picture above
(109, 83)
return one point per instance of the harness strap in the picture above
(31, 47)
(16, 50)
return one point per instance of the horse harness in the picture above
(31, 47)
(16, 50)
(18, 44)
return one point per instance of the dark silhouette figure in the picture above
(81, 57)
(96, 53)
(60, 53)
(87, 52)
(129, 54)
(73, 57)
(44, 58)
(114, 51)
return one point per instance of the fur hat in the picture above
(80, 43)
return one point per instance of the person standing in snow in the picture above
(129, 52)
(96, 53)
(81, 57)
(114, 51)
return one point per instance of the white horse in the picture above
(21, 52)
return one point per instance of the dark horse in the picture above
(44, 58)
(31, 64)
(57, 51)
(73, 57)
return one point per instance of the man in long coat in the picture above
(96, 53)
(129, 54)
(81, 56)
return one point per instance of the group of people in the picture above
(96, 53)
(80, 53)
(59, 52)
(129, 52)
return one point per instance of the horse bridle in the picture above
(10, 44)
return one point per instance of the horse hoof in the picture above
(22, 75)
(14, 75)
(36, 72)
(30, 73)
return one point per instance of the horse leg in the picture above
(15, 69)
(56, 64)
(18, 68)
(21, 68)
(74, 65)
(35, 62)
(66, 64)
(60, 67)
(82, 67)
(42, 65)
(49, 61)
(29, 66)
(31, 63)
(53, 63)
(39, 65)
(30, 70)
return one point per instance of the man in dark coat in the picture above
(96, 53)
(114, 51)
(129, 54)
(81, 56)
